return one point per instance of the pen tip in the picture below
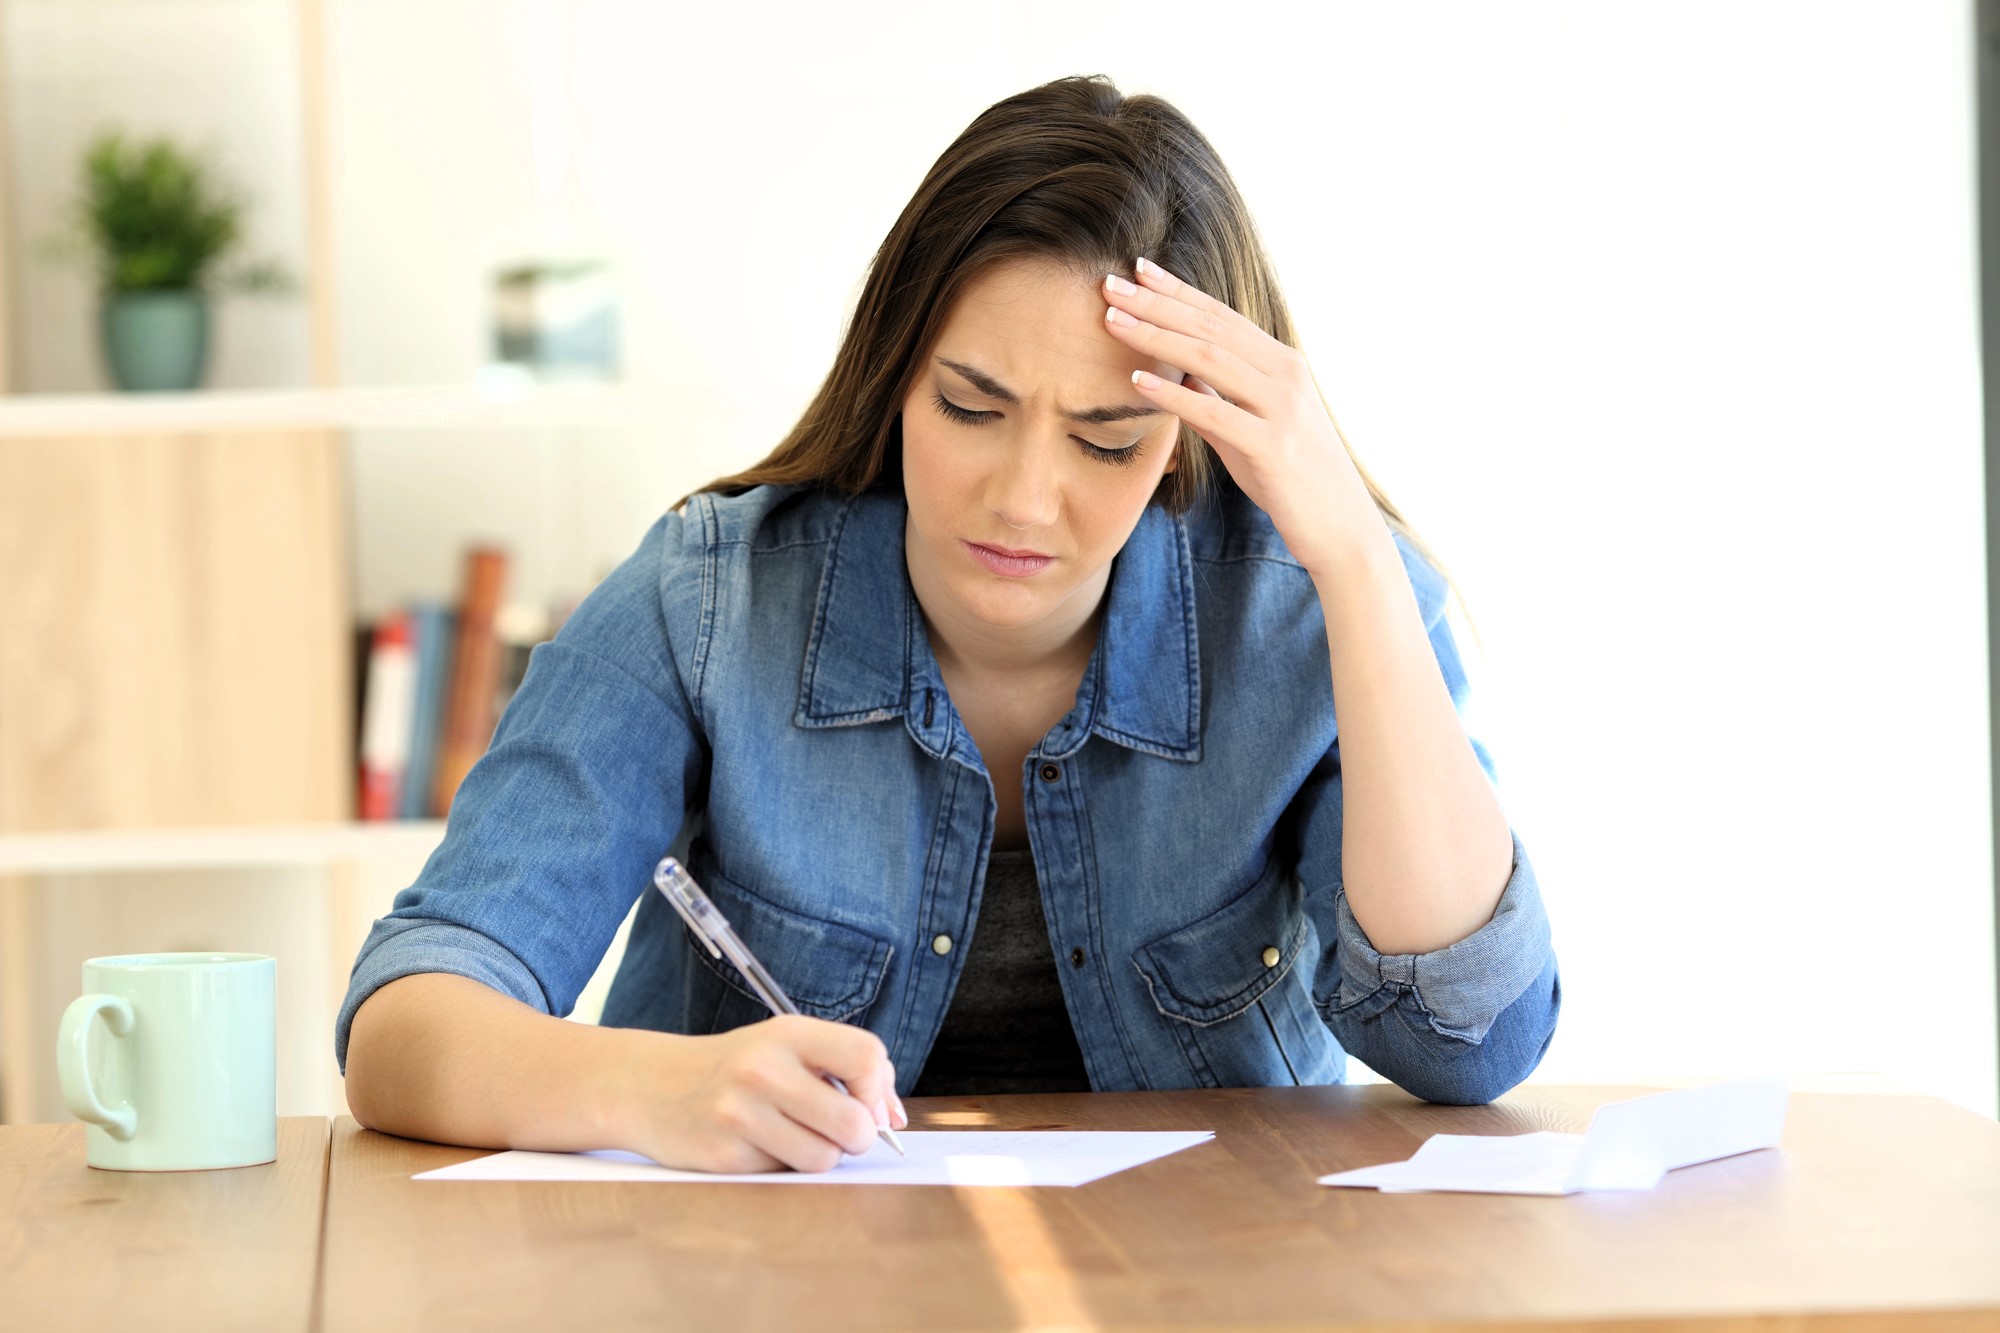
(894, 1142)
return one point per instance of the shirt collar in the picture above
(868, 658)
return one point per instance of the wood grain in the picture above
(83, 1249)
(20, 1055)
(176, 649)
(1878, 1213)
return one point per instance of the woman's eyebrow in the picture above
(1096, 416)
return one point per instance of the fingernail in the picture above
(1119, 285)
(881, 1115)
(1145, 265)
(1145, 380)
(901, 1114)
(1114, 315)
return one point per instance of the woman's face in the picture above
(1040, 450)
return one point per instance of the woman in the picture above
(996, 710)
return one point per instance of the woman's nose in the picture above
(1023, 492)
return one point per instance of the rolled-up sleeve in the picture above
(1460, 1024)
(554, 832)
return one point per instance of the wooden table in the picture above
(82, 1249)
(1878, 1213)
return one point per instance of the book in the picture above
(470, 699)
(520, 628)
(433, 624)
(385, 730)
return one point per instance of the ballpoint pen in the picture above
(713, 930)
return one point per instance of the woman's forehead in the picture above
(1036, 330)
(1024, 284)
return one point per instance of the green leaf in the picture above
(157, 217)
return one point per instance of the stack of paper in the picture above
(1629, 1145)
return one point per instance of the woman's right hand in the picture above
(753, 1099)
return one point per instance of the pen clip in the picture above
(678, 888)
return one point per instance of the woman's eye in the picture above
(1115, 457)
(965, 416)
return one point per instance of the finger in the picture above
(853, 1055)
(1172, 304)
(1212, 361)
(798, 1146)
(1212, 418)
(1200, 385)
(731, 1155)
(732, 1137)
(840, 1118)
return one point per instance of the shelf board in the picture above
(203, 848)
(501, 404)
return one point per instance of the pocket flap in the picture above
(827, 969)
(1216, 968)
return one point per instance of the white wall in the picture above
(1663, 331)
(1673, 346)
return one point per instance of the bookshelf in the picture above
(499, 404)
(178, 596)
(246, 846)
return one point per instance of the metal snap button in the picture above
(1076, 957)
(1271, 958)
(941, 945)
(1050, 772)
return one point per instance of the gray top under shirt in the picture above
(1007, 1029)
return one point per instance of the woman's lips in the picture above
(1012, 566)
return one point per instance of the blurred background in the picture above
(1663, 327)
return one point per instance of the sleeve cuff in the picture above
(401, 948)
(1463, 987)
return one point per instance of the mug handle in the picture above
(73, 1066)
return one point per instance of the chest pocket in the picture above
(828, 970)
(1227, 988)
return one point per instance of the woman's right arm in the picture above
(452, 1029)
(444, 1058)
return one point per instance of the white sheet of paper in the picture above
(937, 1157)
(1629, 1145)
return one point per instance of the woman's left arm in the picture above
(1426, 850)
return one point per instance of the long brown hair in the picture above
(1073, 172)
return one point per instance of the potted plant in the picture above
(158, 224)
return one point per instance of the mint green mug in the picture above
(185, 1077)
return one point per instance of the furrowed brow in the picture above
(1095, 416)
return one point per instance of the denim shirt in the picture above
(754, 689)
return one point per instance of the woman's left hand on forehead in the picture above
(1255, 401)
